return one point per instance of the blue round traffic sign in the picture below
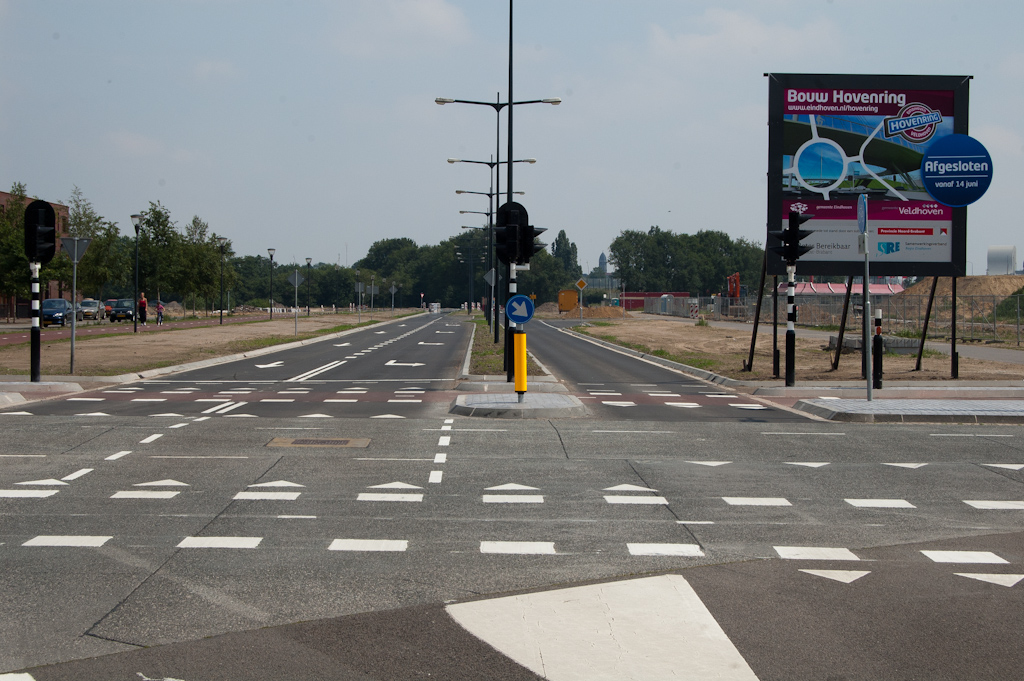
(519, 309)
(956, 170)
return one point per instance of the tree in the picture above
(14, 273)
(160, 250)
(565, 251)
(106, 259)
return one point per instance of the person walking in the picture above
(143, 304)
(159, 313)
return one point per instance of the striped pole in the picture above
(34, 269)
(791, 325)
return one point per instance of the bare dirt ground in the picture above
(724, 351)
(152, 347)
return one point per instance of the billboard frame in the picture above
(778, 83)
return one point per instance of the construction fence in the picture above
(993, 319)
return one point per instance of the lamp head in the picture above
(443, 100)
(555, 101)
(271, 251)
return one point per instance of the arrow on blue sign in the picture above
(519, 309)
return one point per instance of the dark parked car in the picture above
(124, 309)
(92, 309)
(55, 311)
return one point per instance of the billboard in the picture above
(833, 138)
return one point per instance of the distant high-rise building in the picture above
(602, 264)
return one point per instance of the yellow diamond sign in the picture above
(581, 284)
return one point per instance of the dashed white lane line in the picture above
(382, 496)
(440, 458)
(435, 476)
(756, 501)
(68, 540)
(814, 553)
(532, 548)
(115, 457)
(368, 545)
(151, 438)
(220, 542)
(444, 440)
(879, 503)
(267, 496)
(513, 498)
(616, 499)
(647, 628)
(77, 474)
(985, 557)
(686, 550)
(997, 505)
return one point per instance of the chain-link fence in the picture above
(978, 318)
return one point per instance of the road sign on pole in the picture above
(519, 309)
(75, 248)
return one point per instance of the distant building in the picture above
(602, 264)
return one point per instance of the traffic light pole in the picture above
(36, 341)
(510, 365)
(791, 326)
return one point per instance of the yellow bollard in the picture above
(519, 357)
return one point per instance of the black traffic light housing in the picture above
(791, 250)
(511, 222)
(40, 232)
(528, 244)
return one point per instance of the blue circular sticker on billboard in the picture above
(956, 170)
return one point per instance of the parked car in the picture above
(123, 308)
(91, 309)
(56, 311)
(109, 303)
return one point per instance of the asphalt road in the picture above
(247, 537)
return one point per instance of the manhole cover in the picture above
(318, 442)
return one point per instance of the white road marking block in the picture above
(628, 488)
(511, 487)
(151, 438)
(711, 463)
(986, 557)
(808, 464)
(67, 540)
(140, 494)
(814, 553)
(531, 548)
(77, 474)
(277, 483)
(371, 496)
(1000, 579)
(115, 457)
(267, 496)
(369, 545)
(440, 458)
(48, 481)
(220, 542)
(684, 550)
(906, 465)
(756, 501)
(513, 498)
(387, 416)
(880, 503)
(619, 404)
(1007, 466)
(435, 476)
(614, 499)
(986, 505)
(683, 405)
(26, 493)
(844, 576)
(639, 629)
(444, 440)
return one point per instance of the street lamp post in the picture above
(271, 252)
(222, 240)
(137, 223)
(308, 280)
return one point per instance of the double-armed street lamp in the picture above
(137, 223)
(271, 252)
(222, 240)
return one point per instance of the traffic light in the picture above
(506, 241)
(40, 232)
(791, 250)
(511, 222)
(528, 245)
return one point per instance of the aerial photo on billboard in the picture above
(833, 138)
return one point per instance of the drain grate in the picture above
(318, 442)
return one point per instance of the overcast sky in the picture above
(311, 127)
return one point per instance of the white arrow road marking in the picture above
(77, 474)
(629, 488)
(422, 343)
(161, 483)
(277, 483)
(1007, 466)
(395, 363)
(26, 493)
(268, 366)
(316, 372)
(1000, 579)
(844, 576)
(49, 481)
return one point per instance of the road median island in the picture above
(161, 352)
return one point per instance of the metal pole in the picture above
(791, 325)
(221, 284)
(74, 312)
(135, 303)
(509, 326)
(309, 283)
(36, 341)
(775, 326)
(296, 302)
(842, 323)
(508, 189)
(271, 287)
(954, 359)
(924, 329)
(757, 313)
